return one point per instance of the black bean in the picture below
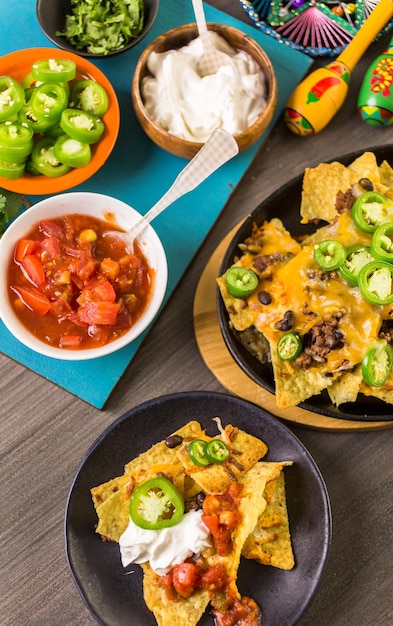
(287, 322)
(264, 297)
(173, 441)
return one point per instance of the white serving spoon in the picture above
(211, 59)
(218, 149)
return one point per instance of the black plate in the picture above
(284, 203)
(51, 16)
(116, 599)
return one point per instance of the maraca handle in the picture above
(377, 19)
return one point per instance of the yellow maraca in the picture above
(320, 95)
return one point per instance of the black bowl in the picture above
(51, 16)
(277, 205)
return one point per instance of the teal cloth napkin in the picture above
(139, 173)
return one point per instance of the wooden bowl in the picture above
(181, 36)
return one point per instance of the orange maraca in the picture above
(320, 95)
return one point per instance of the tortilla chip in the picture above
(112, 498)
(168, 612)
(321, 185)
(106, 490)
(386, 174)
(347, 387)
(296, 385)
(159, 455)
(113, 516)
(190, 610)
(270, 541)
(366, 166)
(271, 238)
(245, 451)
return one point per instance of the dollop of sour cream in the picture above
(191, 106)
(167, 547)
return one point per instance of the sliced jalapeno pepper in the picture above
(26, 117)
(376, 282)
(48, 101)
(241, 282)
(71, 151)
(16, 142)
(12, 97)
(44, 161)
(54, 70)
(12, 171)
(197, 449)
(217, 451)
(90, 96)
(356, 257)
(81, 125)
(329, 254)
(15, 134)
(369, 211)
(382, 242)
(377, 365)
(156, 504)
(289, 346)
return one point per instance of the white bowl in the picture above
(101, 207)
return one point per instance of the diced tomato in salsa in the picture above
(74, 293)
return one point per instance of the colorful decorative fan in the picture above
(314, 27)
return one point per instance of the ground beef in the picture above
(386, 331)
(324, 337)
(263, 261)
(344, 201)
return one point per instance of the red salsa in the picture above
(75, 289)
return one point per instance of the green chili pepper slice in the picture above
(217, 451)
(289, 346)
(12, 97)
(16, 142)
(12, 171)
(90, 96)
(376, 282)
(15, 134)
(44, 160)
(382, 242)
(356, 257)
(156, 504)
(48, 101)
(329, 254)
(81, 125)
(54, 70)
(72, 152)
(197, 449)
(369, 211)
(377, 365)
(241, 282)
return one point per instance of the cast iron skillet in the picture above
(284, 203)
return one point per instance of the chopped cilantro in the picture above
(102, 26)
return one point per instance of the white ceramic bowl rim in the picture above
(99, 206)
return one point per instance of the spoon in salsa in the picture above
(218, 149)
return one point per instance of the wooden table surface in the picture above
(45, 431)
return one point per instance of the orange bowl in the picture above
(18, 65)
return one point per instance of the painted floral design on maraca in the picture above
(375, 101)
(301, 115)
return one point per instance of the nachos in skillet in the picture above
(319, 328)
(228, 498)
